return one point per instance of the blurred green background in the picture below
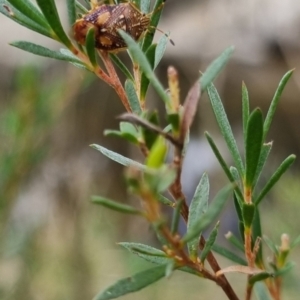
(54, 243)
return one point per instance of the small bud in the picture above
(285, 243)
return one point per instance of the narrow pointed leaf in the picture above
(152, 255)
(150, 54)
(121, 66)
(275, 177)
(140, 58)
(224, 166)
(122, 160)
(176, 217)
(248, 211)
(260, 277)
(71, 5)
(245, 102)
(238, 207)
(215, 68)
(287, 268)
(236, 176)
(90, 46)
(164, 200)
(271, 245)
(144, 6)
(198, 208)
(235, 241)
(265, 151)
(261, 291)
(253, 145)
(132, 97)
(42, 51)
(225, 127)
(229, 255)
(24, 21)
(160, 50)
(50, 12)
(147, 253)
(212, 212)
(133, 283)
(170, 268)
(157, 11)
(127, 209)
(81, 8)
(29, 10)
(275, 101)
(209, 242)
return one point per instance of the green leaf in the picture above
(245, 101)
(42, 51)
(176, 217)
(144, 6)
(235, 241)
(23, 20)
(140, 58)
(212, 212)
(170, 268)
(132, 97)
(126, 136)
(271, 245)
(275, 177)
(248, 211)
(287, 268)
(238, 207)
(71, 5)
(126, 127)
(50, 12)
(160, 179)
(164, 200)
(122, 160)
(152, 255)
(275, 101)
(254, 144)
(121, 66)
(215, 68)
(127, 209)
(229, 255)
(160, 49)
(133, 283)
(149, 135)
(157, 154)
(209, 242)
(90, 46)
(259, 277)
(225, 128)
(261, 291)
(155, 16)
(265, 151)
(147, 253)
(224, 166)
(198, 208)
(29, 10)
(80, 7)
(150, 54)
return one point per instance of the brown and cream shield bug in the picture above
(107, 20)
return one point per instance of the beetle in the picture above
(107, 19)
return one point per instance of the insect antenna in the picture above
(164, 33)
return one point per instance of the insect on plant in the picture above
(107, 19)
